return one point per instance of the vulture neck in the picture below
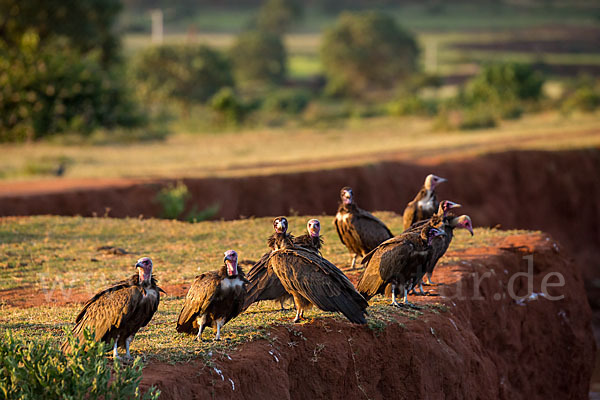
(144, 278)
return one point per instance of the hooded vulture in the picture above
(311, 240)
(358, 229)
(449, 224)
(214, 298)
(313, 280)
(425, 204)
(264, 284)
(118, 313)
(399, 261)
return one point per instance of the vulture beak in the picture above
(138, 265)
(470, 230)
(452, 204)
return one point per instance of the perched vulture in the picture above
(313, 280)
(438, 220)
(264, 284)
(118, 313)
(311, 240)
(425, 204)
(214, 298)
(359, 230)
(450, 222)
(399, 261)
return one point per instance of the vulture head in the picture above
(314, 227)
(433, 233)
(447, 205)
(280, 224)
(144, 267)
(231, 261)
(464, 221)
(432, 181)
(346, 195)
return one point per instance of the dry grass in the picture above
(44, 253)
(278, 150)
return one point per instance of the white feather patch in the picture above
(229, 284)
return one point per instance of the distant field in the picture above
(262, 151)
(46, 263)
(441, 16)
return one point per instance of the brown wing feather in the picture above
(371, 230)
(319, 281)
(108, 313)
(197, 300)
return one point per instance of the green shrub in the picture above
(52, 89)
(504, 82)
(187, 73)
(289, 101)
(229, 106)
(258, 58)
(173, 199)
(583, 99)
(412, 105)
(39, 370)
(367, 51)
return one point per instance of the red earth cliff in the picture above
(483, 344)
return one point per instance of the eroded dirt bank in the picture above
(482, 345)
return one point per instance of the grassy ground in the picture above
(290, 149)
(47, 254)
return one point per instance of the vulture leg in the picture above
(127, 343)
(297, 319)
(394, 302)
(115, 354)
(405, 302)
(201, 325)
(281, 303)
(219, 325)
(353, 262)
(429, 281)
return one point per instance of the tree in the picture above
(367, 51)
(258, 57)
(187, 73)
(276, 16)
(88, 24)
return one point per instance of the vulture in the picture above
(118, 313)
(214, 298)
(425, 204)
(264, 284)
(438, 220)
(312, 280)
(399, 261)
(449, 224)
(359, 230)
(311, 240)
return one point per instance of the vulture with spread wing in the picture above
(425, 203)
(264, 284)
(214, 298)
(118, 313)
(359, 230)
(313, 280)
(399, 261)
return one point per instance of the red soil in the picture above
(484, 348)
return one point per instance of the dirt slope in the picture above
(484, 345)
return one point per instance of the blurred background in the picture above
(183, 109)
